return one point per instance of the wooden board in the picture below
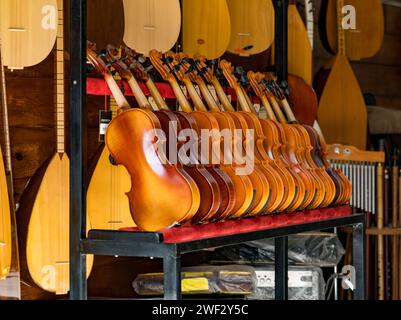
(364, 41)
(28, 29)
(299, 47)
(342, 112)
(105, 22)
(48, 231)
(252, 24)
(5, 224)
(206, 27)
(152, 24)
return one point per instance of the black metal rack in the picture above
(136, 244)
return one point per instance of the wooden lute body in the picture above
(152, 24)
(252, 26)
(362, 42)
(299, 47)
(28, 29)
(342, 112)
(206, 27)
(44, 211)
(5, 223)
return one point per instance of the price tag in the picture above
(197, 90)
(104, 121)
(184, 90)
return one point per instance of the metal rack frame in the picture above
(138, 244)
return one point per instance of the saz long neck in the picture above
(59, 81)
(340, 30)
(4, 116)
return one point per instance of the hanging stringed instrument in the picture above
(152, 24)
(44, 211)
(6, 206)
(206, 27)
(362, 40)
(299, 48)
(252, 26)
(342, 112)
(104, 28)
(28, 29)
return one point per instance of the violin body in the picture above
(160, 196)
(214, 201)
(364, 41)
(5, 224)
(206, 27)
(107, 204)
(252, 26)
(303, 100)
(28, 29)
(152, 24)
(99, 16)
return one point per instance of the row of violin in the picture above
(290, 171)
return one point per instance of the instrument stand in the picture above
(142, 244)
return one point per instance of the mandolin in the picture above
(206, 27)
(104, 28)
(299, 47)
(28, 29)
(362, 42)
(6, 203)
(43, 214)
(152, 24)
(107, 204)
(252, 26)
(342, 112)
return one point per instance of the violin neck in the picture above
(277, 109)
(156, 95)
(140, 97)
(182, 100)
(268, 107)
(116, 91)
(211, 102)
(227, 106)
(196, 99)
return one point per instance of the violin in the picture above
(324, 185)
(227, 121)
(131, 143)
(242, 185)
(340, 183)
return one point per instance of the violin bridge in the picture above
(149, 28)
(244, 34)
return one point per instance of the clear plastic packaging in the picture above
(304, 283)
(311, 249)
(226, 280)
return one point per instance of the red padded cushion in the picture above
(220, 229)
